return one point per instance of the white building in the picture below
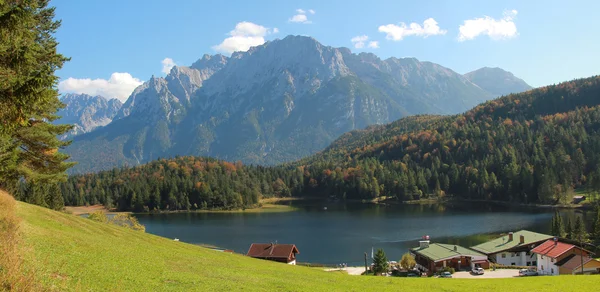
(513, 249)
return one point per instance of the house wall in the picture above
(515, 259)
(546, 266)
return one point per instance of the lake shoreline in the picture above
(275, 205)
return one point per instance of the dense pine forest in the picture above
(533, 147)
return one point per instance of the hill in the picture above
(497, 81)
(532, 147)
(278, 102)
(70, 253)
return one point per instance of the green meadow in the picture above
(69, 253)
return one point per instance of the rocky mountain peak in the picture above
(86, 112)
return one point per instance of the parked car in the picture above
(526, 272)
(445, 275)
(477, 271)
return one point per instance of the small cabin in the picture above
(283, 253)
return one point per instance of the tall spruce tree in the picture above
(579, 231)
(380, 263)
(569, 229)
(29, 99)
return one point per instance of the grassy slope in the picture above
(72, 253)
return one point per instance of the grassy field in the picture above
(72, 253)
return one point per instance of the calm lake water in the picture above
(344, 232)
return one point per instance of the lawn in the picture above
(72, 253)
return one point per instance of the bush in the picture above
(127, 221)
(446, 269)
(499, 266)
(121, 219)
(98, 216)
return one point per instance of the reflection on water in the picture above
(344, 232)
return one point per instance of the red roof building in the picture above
(284, 253)
(557, 258)
(552, 248)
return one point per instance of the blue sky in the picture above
(543, 42)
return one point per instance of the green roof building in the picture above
(513, 248)
(431, 257)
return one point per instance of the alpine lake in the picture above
(332, 233)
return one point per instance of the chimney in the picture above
(425, 242)
(521, 239)
(510, 236)
(556, 241)
(455, 248)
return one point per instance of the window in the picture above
(528, 253)
(513, 264)
(552, 260)
(552, 270)
(542, 267)
(528, 264)
(534, 263)
(503, 255)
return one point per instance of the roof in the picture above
(553, 248)
(437, 251)
(502, 243)
(573, 262)
(270, 250)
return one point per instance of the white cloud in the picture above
(243, 37)
(359, 41)
(496, 29)
(398, 32)
(119, 85)
(301, 17)
(167, 64)
(374, 45)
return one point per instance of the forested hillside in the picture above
(532, 147)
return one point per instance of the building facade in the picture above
(559, 258)
(513, 249)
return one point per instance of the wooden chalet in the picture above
(283, 253)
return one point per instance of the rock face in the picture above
(497, 81)
(276, 102)
(86, 113)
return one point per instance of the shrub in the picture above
(98, 216)
(127, 221)
(446, 269)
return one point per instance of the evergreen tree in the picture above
(596, 229)
(579, 231)
(569, 229)
(29, 101)
(380, 263)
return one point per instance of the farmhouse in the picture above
(513, 249)
(431, 257)
(284, 253)
(561, 258)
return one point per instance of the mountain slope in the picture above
(497, 81)
(277, 102)
(86, 113)
(70, 253)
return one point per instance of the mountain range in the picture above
(277, 102)
(86, 113)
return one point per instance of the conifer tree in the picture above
(29, 100)
(579, 231)
(380, 262)
(569, 229)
